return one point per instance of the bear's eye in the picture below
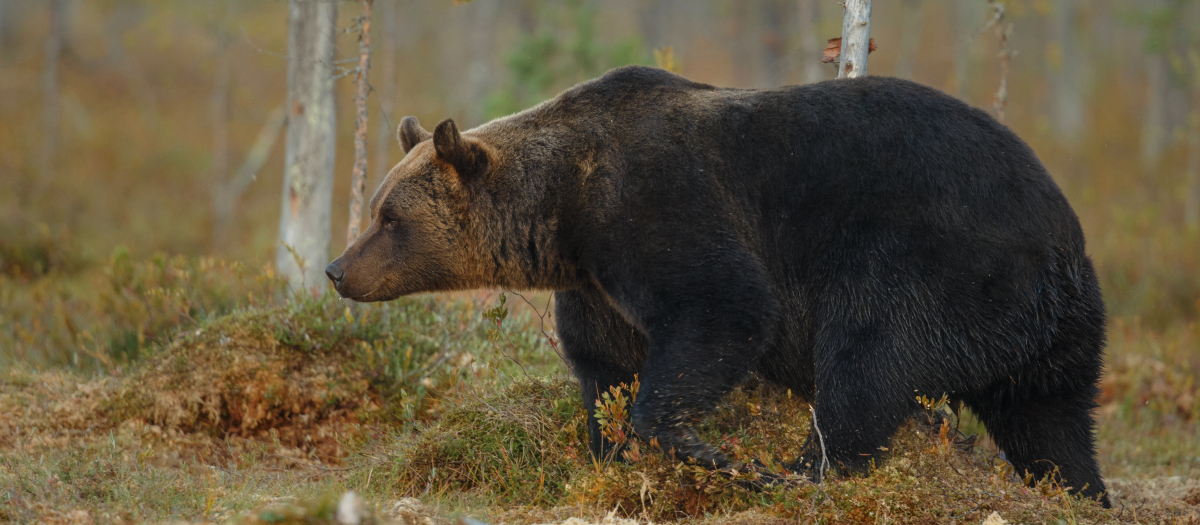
(389, 222)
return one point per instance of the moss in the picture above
(521, 444)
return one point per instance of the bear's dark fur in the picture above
(860, 242)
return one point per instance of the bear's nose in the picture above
(334, 273)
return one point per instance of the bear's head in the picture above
(420, 237)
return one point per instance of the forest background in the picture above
(141, 152)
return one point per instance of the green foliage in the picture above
(564, 50)
(1169, 34)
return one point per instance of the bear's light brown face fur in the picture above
(419, 237)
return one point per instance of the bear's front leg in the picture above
(602, 350)
(707, 326)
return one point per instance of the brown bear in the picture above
(860, 242)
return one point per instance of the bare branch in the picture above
(359, 180)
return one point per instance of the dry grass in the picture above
(283, 408)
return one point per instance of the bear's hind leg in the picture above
(1040, 434)
(602, 350)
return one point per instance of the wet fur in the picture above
(861, 242)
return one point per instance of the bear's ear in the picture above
(409, 133)
(467, 157)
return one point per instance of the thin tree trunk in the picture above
(773, 39)
(227, 192)
(11, 14)
(359, 180)
(220, 160)
(810, 42)
(50, 103)
(856, 38)
(910, 38)
(741, 46)
(1154, 121)
(304, 223)
(1191, 205)
(650, 20)
(1067, 111)
(966, 23)
(1003, 29)
(386, 134)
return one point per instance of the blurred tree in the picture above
(11, 17)
(222, 207)
(50, 102)
(967, 19)
(304, 223)
(651, 17)
(810, 41)
(227, 189)
(774, 43)
(1191, 203)
(910, 39)
(1154, 139)
(1167, 38)
(386, 132)
(561, 50)
(480, 21)
(1067, 62)
(226, 192)
(1173, 44)
(741, 43)
(125, 17)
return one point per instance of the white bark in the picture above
(810, 42)
(304, 223)
(856, 37)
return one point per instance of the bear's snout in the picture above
(335, 273)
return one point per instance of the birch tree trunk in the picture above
(810, 42)
(856, 38)
(358, 181)
(910, 38)
(54, 42)
(304, 223)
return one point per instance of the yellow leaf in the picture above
(665, 59)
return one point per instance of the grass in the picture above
(432, 409)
